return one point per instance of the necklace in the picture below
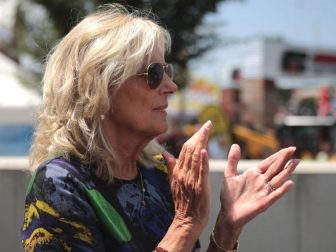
(143, 189)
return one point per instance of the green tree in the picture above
(180, 17)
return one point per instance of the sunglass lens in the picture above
(155, 74)
(170, 71)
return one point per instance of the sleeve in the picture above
(58, 215)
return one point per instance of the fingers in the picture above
(266, 163)
(263, 166)
(199, 139)
(190, 154)
(278, 193)
(272, 197)
(203, 136)
(192, 162)
(204, 170)
(281, 177)
(201, 144)
(279, 185)
(233, 159)
(279, 163)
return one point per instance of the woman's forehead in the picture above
(155, 56)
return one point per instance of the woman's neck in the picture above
(127, 147)
(127, 168)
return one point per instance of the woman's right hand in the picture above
(189, 181)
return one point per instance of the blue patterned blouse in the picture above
(69, 209)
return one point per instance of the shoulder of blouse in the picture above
(161, 163)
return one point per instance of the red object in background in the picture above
(325, 58)
(324, 104)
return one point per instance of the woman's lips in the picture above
(161, 109)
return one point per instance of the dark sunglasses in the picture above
(155, 72)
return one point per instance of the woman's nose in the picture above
(168, 85)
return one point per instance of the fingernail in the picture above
(296, 161)
(234, 145)
(293, 162)
(208, 124)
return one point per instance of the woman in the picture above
(99, 181)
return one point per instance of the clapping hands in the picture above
(244, 196)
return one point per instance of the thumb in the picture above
(233, 159)
(170, 161)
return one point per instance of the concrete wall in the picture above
(303, 221)
(13, 183)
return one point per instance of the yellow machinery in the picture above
(257, 144)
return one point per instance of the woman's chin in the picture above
(161, 128)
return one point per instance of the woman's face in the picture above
(138, 109)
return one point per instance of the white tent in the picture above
(17, 103)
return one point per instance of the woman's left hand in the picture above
(246, 195)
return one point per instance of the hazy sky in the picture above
(312, 22)
(307, 23)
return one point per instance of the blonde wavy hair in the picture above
(99, 53)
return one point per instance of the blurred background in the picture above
(263, 71)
